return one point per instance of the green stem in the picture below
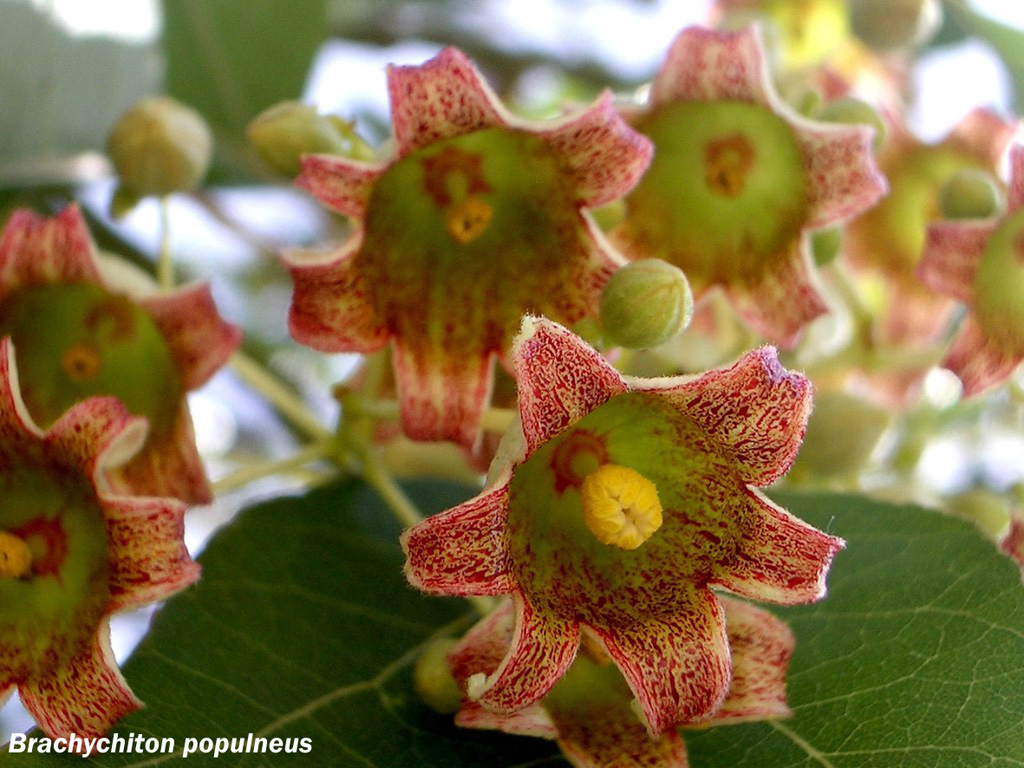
(259, 470)
(287, 402)
(165, 262)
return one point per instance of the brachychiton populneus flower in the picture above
(589, 710)
(980, 262)
(738, 180)
(888, 241)
(72, 552)
(83, 326)
(477, 219)
(630, 499)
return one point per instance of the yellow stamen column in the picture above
(620, 506)
(15, 556)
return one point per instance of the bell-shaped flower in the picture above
(980, 262)
(589, 711)
(73, 552)
(478, 218)
(84, 325)
(739, 180)
(886, 244)
(629, 500)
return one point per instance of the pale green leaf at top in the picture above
(231, 59)
(60, 93)
(303, 626)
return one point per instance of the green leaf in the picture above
(231, 59)
(302, 626)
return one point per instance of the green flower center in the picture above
(999, 286)
(726, 193)
(562, 565)
(463, 236)
(53, 606)
(76, 340)
(896, 227)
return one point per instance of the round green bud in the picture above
(160, 146)
(989, 511)
(853, 111)
(886, 25)
(646, 303)
(433, 680)
(826, 244)
(841, 436)
(970, 193)
(282, 134)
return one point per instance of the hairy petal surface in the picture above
(462, 551)
(678, 667)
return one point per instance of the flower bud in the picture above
(646, 303)
(970, 193)
(841, 436)
(160, 146)
(286, 131)
(433, 680)
(889, 24)
(854, 112)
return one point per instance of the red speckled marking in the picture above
(341, 306)
(84, 693)
(675, 655)
(56, 541)
(842, 178)
(951, 256)
(37, 250)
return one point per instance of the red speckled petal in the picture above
(200, 340)
(442, 98)
(756, 409)
(332, 310)
(148, 558)
(677, 666)
(844, 180)
(85, 697)
(615, 742)
(978, 361)
(543, 649)
(462, 551)
(560, 379)
(985, 135)
(780, 558)
(37, 249)
(167, 467)
(783, 300)
(605, 157)
(441, 396)
(1015, 197)
(762, 646)
(711, 65)
(481, 650)
(951, 256)
(97, 433)
(339, 183)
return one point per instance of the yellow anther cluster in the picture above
(727, 163)
(15, 556)
(620, 506)
(468, 219)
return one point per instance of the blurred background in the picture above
(69, 68)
